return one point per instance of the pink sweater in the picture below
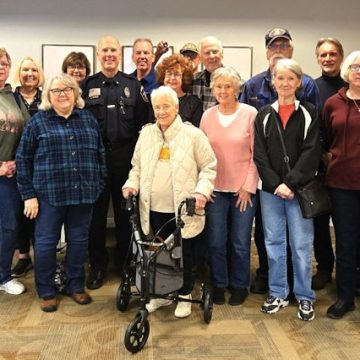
(233, 146)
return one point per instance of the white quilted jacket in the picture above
(193, 165)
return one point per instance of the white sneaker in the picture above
(183, 308)
(13, 287)
(155, 304)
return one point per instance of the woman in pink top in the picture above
(230, 129)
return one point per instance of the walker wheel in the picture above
(137, 334)
(208, 305)
(123, 296)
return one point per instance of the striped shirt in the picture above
(61, 160)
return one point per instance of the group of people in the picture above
(170, 132)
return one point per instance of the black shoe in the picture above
(339, 309)
(259, 285)
(95, 279)
(238, 296)
(22, 267)
(218, 296)
(320, 279)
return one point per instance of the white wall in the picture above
(25, 25)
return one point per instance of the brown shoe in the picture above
(82, 298)
(48, 305)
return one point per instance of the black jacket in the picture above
(301, 137)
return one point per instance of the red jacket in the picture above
(342, 125)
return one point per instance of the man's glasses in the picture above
(354, 67)
(4, 65)
(57, 92)
(281, 46)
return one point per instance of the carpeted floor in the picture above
(96, 331)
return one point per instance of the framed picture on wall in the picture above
(127, 64)
(240, 58)
(53, 55)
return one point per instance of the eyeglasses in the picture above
(281, 46)
(169, 74)
(4, 65)
(354, 67)
(57, 92)
(76, 67)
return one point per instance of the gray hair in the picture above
(350, 59)
(227, 73)
(68, 81)
(332, 41)
(291, 65)
(212, 40)
(165, 91)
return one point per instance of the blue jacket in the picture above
(258, 91)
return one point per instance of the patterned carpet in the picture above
(96, 331)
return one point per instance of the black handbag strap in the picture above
(286, 156)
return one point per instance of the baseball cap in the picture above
(276, 33)
(189, 47)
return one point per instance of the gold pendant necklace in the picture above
(357, 106)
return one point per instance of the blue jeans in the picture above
(278, 213)
(76, 220)
(346, 218)
(10, 208)
(240, 236)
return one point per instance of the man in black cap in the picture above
(191, 52)
(258, 92)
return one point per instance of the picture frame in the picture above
(53, 55)
(240, 58)
(129, 67)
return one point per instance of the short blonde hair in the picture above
(67, 81)
(227, 73)
(291, 65)
(38, 67)
(350, 59)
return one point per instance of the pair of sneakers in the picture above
(13, 287)
(273, 304)
(183, 308)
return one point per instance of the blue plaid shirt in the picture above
(61, 160)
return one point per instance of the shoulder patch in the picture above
(143, 94)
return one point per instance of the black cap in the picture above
(276, 33)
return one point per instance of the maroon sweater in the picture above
(342, 125)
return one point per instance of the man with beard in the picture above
(258, 92)
(144, 60)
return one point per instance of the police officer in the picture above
(121, 107)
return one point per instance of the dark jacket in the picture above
(301, 137)
(342, 124)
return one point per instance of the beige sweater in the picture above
(193, 166)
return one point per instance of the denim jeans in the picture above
(240, 235)
(346, 218)
(278, 213)
(76, 220)
(10, 208)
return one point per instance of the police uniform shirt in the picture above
(119, 104)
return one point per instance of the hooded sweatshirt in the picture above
(342, 125)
